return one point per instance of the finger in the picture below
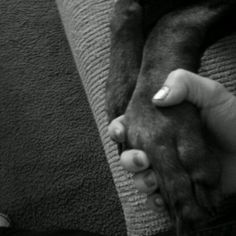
(146, 181)
(155, 202)
(116, 129)
(134, 160)
(183, 85)
(217, 105)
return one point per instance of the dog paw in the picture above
(188, 172)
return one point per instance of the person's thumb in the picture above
(183, 85)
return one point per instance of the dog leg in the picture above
(188, 172)
(126, 54)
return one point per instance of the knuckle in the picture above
(217, 88)
(178, 74)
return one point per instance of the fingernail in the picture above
(137, 161)
(162, 93)
(159, 202)
(149, 181)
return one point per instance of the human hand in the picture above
(218, 110)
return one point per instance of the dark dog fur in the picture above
(150, 39)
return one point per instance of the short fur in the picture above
(150, 39)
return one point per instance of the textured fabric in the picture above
(87, 27)
(219, 62)
(53, 170)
